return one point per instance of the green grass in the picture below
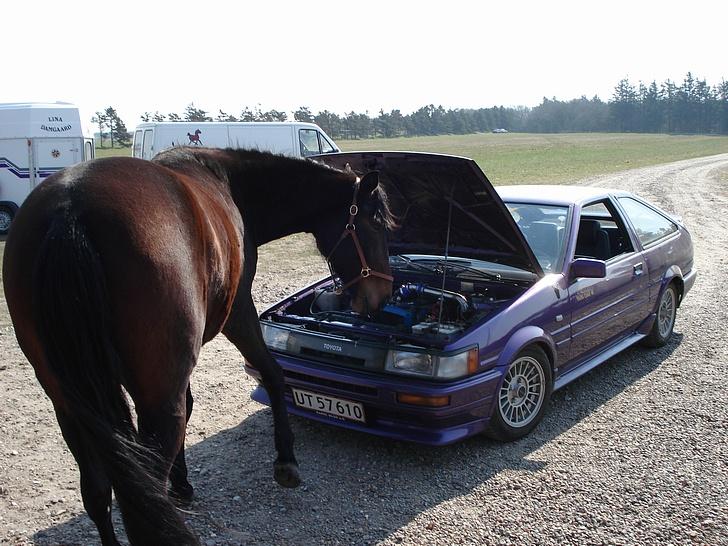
(515, 158)
(113, 152)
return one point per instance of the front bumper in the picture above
(468, 412)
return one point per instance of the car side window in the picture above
(649, 225)
(326, 147)
(602, 234)
(308, 139)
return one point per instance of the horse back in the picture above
(170, 245)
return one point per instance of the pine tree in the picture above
(193, 113)
(100, 119)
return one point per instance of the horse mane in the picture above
(226, 164)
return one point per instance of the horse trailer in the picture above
(291, 138)
(36, 140)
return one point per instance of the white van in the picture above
(291, 138)
(36, 140)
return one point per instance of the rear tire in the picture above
(6, 217)
(665, 319)
(523, 396)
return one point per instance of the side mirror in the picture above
(586, 267)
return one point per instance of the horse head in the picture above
(360, 255)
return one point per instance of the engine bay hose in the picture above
(410, 289)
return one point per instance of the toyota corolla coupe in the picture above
(500, 297)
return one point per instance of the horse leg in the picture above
(243, 330)
(95, 484)
(181, 488)
(162, 428)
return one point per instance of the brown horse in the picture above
(117, 271)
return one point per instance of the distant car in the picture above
(500, 130)
(500, 298)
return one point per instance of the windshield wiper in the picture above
(456, 267)
(410, 263)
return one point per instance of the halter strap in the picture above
(350, 231)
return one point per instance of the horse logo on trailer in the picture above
(195, 138)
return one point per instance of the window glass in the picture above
(137, 144)
(309, 142)
(147, 146)
(543, 226)
(649, 224)
(602, 234)
(326, 147)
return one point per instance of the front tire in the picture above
(522, 397)
(665, 320)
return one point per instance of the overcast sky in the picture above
(155, 55)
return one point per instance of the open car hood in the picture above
(427, 189)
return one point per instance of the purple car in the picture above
(500, 297)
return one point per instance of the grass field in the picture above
(531, 158)
(514, 158)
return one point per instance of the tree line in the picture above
(690, 107)
(112, 127)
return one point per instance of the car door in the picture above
(657, 235)
(605, 310)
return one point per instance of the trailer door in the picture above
(88, 149)
(50, 155)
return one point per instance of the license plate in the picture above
(321, 403)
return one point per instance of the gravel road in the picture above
(635, 452)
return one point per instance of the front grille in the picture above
(358, 389)
(327, 356)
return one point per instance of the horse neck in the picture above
(290, 197)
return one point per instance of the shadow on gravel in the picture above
(359, 489)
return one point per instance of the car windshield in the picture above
(544, 227)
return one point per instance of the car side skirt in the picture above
(592, 363)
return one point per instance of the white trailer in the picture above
(291, 138)
(36, 140)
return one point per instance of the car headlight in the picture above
(428, 365)
(410, 363)
(275, 338)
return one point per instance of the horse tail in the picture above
(71, 309)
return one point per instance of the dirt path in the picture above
(633, 453)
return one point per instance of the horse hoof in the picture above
(286, 474)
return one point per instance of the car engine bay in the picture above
(426, 306)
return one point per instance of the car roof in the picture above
(554, 194)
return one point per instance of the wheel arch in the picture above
(673, 275)
(11, 205)
(526, 337)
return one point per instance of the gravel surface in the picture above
(635, 452)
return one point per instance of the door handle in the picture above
(638, 270)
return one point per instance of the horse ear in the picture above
(369, 183)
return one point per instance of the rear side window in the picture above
(649, 224)
(137, 144)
